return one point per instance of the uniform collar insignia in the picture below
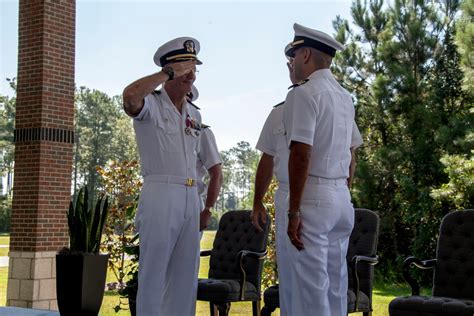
(277, 105)
(302, 82)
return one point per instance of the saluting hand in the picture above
(183, 67)
(258, 213)
(294, 232)
(291, 71)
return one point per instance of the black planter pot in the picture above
(132, 304)
(80, 283)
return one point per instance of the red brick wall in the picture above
(44, 125)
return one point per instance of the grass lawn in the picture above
(4, 239)
(382, 294)
(3, 285)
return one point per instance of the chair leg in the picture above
(213, 309)
(223, 309)
(267, 310)
(256, 308)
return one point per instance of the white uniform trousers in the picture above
(201, 207)
(168, 224)
(319, 271)
(282, 244)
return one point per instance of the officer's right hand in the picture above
(258, 213)
(183, 67)
(294, 232)
(291, 71)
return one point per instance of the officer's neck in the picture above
(307, 71)
(177, 96)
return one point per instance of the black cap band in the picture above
(177, 55)
(302, 41)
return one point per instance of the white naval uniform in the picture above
(273, 142)
(168, 211)
(320, 113)
(208, 157)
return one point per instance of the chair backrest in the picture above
(454, 270)
(236, 233)
(363, 242)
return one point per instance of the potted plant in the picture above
(80, 269)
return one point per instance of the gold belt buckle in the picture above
(189, 182)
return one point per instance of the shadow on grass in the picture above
(396, 290)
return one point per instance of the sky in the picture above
(244, 68)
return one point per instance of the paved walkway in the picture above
(3, 263)
(16, 311)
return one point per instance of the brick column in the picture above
(44, 133)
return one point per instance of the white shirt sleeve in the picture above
(300, 117)
(145, 111)
(356, 139)
(208, 151)
(267, 143)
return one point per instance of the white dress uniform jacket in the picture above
(320, 113)
(168, 212)
(272, 141)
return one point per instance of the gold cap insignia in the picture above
(190, 46)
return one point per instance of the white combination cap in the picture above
(179, 49)
(306, 37)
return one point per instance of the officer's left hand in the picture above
(258, 215)
(205, 219)
(294, 232)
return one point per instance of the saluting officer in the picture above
(208, 162)
(168, 131)
(319, 122)
(273, 144)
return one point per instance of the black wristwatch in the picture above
(169, 71)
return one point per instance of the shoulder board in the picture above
(157, 92)
(302, 82)
(195, 106)
(204, 126)
(275, 106)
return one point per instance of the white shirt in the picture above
(272, 141)
(208, 157)
(356, 139)
(320, 113)
(164, 146)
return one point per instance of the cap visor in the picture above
(198, 62)
(291, 52)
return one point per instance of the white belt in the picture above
(189, 182)
(319, 180)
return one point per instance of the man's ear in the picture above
(306, 54)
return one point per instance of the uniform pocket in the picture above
(169, 136)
